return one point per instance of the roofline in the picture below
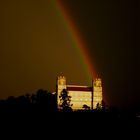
(78, 86)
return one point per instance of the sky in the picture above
(36, 46)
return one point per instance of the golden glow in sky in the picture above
(36, 47)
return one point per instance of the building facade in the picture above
(81, 95)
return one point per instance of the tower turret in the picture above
(97, 93)
(61, 84)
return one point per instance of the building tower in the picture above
(97, 93)
(61, 84)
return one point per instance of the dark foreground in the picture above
(71, 121)
(75, 125)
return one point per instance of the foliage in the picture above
(65, 100)
(86, 107)
(42, 100)
(98, 106)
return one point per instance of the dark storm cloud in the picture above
(111, 30)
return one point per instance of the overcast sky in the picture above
(36, 47)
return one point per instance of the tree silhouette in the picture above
(65, 100)
(41, 101)
(98, 106)
(103, 105)
(86, 107)
(45, 100)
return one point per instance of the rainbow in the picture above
(78, 41)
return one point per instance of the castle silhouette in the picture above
(81, 96)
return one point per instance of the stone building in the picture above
(91, 96)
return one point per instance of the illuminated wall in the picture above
(61, 84)
(97, 95)
(81, 95)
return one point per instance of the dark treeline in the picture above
(42, 100)
(44, 104)
(40, 108)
